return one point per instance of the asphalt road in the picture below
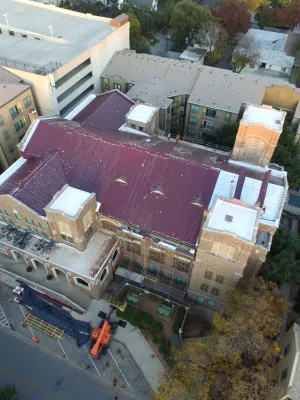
(39, 376)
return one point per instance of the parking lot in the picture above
(117, 363)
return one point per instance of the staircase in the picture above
(79, 297)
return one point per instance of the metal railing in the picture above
(201, 142)
(33, 68)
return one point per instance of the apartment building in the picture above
(128, 205)
(194, 99)
(60, 53)
(17, 111)
(288, 365)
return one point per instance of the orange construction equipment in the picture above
(102, 337)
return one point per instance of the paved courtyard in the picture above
(116, 364)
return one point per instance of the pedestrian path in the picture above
(3, 319)
(138, 347)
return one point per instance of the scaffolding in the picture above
(44, 327)
(154, 258)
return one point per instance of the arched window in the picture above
(82, 282)
(108, 225)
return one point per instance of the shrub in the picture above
(164, 346)
(157, 327)
(147, 318)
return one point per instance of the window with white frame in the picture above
(194, 109)
(65, 232)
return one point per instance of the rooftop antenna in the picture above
(50, 27)
(5, 16)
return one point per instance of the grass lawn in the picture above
(157, 331)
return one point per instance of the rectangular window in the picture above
(192, 121)
(182, 98)
(211, 113)
(157, 255)
(182, 264)
(133, 126)
(211, 303)
(200, 299)
(180, 280)
(27, 101)
(194, 109)
(181, 110)
(70, 239)
(117, 86)
(208, 275)
(19, 125)
(283, 69)
(227, 116)
(204, 287)
(11, 148)
(134, 247)
(11, 33)
(220, 279)
(64, 228)
(284, 374)
(41, 226)
(215, 291)
(64, 237)
(141, 128)
(11, 221)
(1, 120)
(209, 125)
(191, 132)
(106, 82)
(6, 135)
(287, 349)
(14, 112)
(18, 217)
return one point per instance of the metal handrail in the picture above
(33, 68)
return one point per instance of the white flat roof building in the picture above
(234, 217)
(70, 201)
(142, 113)
(59, 52)
(273, 60)
(264, 115)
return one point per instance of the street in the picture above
(40, 376)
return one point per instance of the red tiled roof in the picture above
(106, 111)
(36, 181)
(93, 162)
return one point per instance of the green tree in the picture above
(286, 154)
(8, 392)
(137, 42)
(220, 49)
(264, 17)
(163, 15)
(188, 19)
(236, 361)
(282, 264)
(225, 136)
(245, 53)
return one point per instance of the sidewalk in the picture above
(138, 347)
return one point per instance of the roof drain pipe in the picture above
(180, 331)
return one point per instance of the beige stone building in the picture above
(59, 52)
(17, 110)
(195, 99)
(288, 365)
(108, 204)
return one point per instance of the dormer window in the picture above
(158, 190)
(228, 218)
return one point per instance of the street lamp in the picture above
(168, 38)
